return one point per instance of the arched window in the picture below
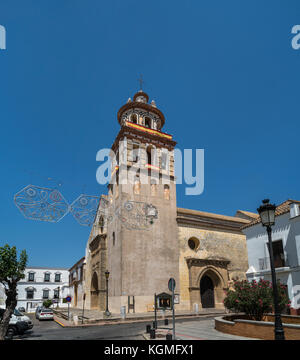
(101, 223)
(167, 192)
(133, 118)
(149, 155)
(137, 187)
(148, 122)
(30, 293)
(153, 187)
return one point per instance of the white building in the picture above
(286, 249)
(40, 284)
(2, 295)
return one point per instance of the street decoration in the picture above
(84, 209)
(40, 203)
(48, 204)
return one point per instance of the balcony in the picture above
(279, 262)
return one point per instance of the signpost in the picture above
(171, 286)
(68, 300)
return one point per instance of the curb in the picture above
(136, 320)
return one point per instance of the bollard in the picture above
(169, 337)
(166, 321)
(152, 334)
(148, 328)
(154, 324)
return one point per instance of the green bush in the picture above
(47, 303)
(255, 298)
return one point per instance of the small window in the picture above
(29, 294)
(147, 122)
(133, 118)
(31, 276)
(153, 188)
(45, 294)
(135, 153)
(137, 187)
(57, 277)
(167, 192)
(47, 277)
(164, 157)
(149, 156)
(56, 294)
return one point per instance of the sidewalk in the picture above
(194, 330)
(94, 317)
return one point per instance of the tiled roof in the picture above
(280, 210)
(248, 213)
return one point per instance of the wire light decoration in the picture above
(48, 204)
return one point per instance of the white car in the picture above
(45, 314)
(18, 316)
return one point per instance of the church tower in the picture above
(142, 235)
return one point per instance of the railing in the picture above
(279, 261)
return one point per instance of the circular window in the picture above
(193, 243)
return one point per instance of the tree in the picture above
(255, 298)
(11, 272)
(47, 303)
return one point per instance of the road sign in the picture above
(68, 299)
(171, 284)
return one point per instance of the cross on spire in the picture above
(141, 81)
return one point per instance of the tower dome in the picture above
(140, 112)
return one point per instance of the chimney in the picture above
(294, 210)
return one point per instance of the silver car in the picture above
(45, 314)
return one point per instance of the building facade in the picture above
(286, 250)
(143, 239)
(76, 282)
(42, 284)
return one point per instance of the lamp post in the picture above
(58, 288)
(107, 313)
(267, 216)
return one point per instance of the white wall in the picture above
(39, 285)
(286, 229)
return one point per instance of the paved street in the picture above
(199, 329)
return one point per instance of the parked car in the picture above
(37, 311)
(18, 323)
(22, 309)
(18, 316)
(45, 314)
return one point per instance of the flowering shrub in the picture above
(255, 298)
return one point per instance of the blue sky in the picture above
(223, 72)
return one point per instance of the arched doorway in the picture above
(94, 291)
(75, 294)
(207, 292)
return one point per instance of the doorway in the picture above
(207, 292)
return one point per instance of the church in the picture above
(143, 239)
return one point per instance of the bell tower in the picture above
(142, 235)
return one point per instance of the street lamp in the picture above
(107, 313)
(58, 288)
(267, 216)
